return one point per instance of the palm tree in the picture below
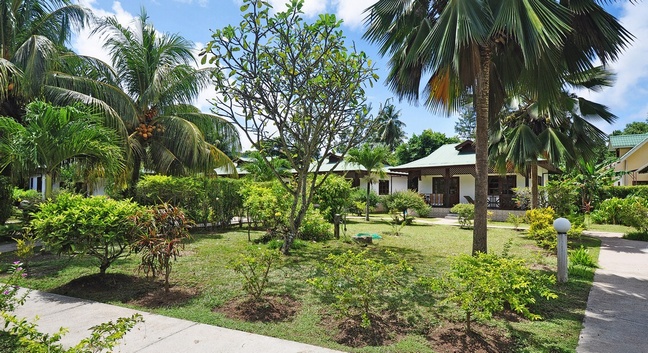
(561, 134)
(32, 39)
(52, 136)
(485, 47)
(152, 83)
(372, 159)
(389, 126)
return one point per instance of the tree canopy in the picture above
(279, 77)
(419, 146)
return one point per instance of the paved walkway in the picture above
(616, 319)
(157, 334)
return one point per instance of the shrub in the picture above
(356, 285)
(401, 201)
(359, 201)
(563, 197)
(541, 227)
(466, 213)
(522, 197)
(6, 199)
(515, 220)
(484, 284)
(255, 266)
(162, 230)
(623, 192)
(333, 197)
(636, 215)
(314, 227)
(97, 226)
(264, 202)
(9, 297)
(581, 257)
(224, 200)
(189, 193)
(610, 211)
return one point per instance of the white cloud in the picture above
(201, 3)
(352, 11)
(311, 7)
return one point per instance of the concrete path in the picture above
(157, 334)
(616, 319)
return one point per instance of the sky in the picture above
(195, 20)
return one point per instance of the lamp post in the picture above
(562, 226)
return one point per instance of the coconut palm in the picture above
(372, 159)
(562, 134)
(32, 39)
(54, 136)
(485, 47)
(389, 126)
(153, 82)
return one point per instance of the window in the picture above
(383, 187)
(498, 185)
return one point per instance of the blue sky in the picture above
(194, 20)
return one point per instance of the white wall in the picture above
(466, 187)
(397, 183)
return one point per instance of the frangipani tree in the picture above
(297, 83)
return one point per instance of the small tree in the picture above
(279, 78)
(96, 226)
(372, 159)
(401, 201)
(163, 228)
(481, 285)
(254, 267)
(358, 286)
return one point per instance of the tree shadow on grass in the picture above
(119, 287)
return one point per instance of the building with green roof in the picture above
(632, 151)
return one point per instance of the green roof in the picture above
(626, 141)
(444, 156)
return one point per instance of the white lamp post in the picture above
(562, 226)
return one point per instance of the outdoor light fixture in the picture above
(562, 226)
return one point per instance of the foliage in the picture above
(523, 196)
(372, 159)
(359, 201)
(358, 285)
(103, 337)
(515, 220)
(465, 212)
(637, 215)
(623, 192)
(96, 226)
(9, 297)
(581, 257)
(642, 236)
(265, 202)
(419, 146)
(203, 199)
(162, 230)
(485, 284)
(259, 170)
(25, 246)
(591, 178)
(467, 121)
(254, 266)
(321, 107)
(389, 130)
(53, 136)
(314, 227)
(615, 210)
(6, 199)
(541, 227)
(562, 197)
(635, 127)
(401, 201)
(152, 82)
(333, 197)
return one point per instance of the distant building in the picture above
(632, 151)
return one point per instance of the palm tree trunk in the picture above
(48, 185)
(135, 175)
(480, 231)
(367, 203)
(534, 184)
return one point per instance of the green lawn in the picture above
(203, 280)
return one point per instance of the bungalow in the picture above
(632, 151)
(391, 182)
(447, 177)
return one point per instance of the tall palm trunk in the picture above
(480, 231)
(534, 184)
(367, 203)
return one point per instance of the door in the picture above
(450, 191)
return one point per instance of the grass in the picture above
(204, 270)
